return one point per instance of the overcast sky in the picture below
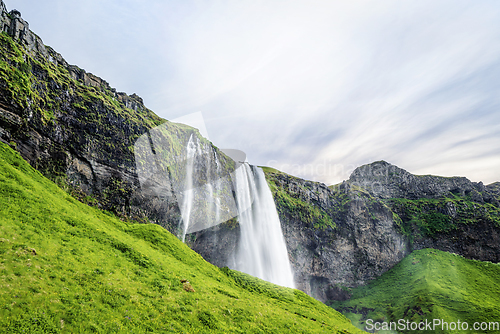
(314, 88)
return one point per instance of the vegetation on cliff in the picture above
(44, 91)
(386, 213)
(290, 202)
(68, 267)
(427, 217)
(81, 133)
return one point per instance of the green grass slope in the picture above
(66, 267)
(430, 284)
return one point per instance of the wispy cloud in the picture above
(305, 85)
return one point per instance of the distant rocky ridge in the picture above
(385, 181)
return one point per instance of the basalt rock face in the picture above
(381, 214)
(448, 213)
(363, 242)
(218, 244)
(80, 132)
(494, 188)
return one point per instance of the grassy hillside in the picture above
(67, 267)
(429, 284)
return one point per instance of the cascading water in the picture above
(262, 249)
(212, 190)
(188, 194)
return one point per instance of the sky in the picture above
(313, 88)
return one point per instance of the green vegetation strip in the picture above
(40, 92)
(431, 216)
(69, 268)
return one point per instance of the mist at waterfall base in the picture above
(262, 250)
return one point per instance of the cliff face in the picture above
(448, 213)
(77, 130)
(361, 244)
(382, 213)
(385, 181)
(343, 236)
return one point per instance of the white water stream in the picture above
(262, 249)
(187, 204)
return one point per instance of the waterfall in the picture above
(262, 250)
(188, 194)
(205, 199)
(212, 191)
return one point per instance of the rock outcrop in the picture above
(452, 214)
(363, 243)
(385, 181)
(80, 132)
(342, 236)
(387, 213)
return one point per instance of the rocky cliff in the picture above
(448, 213)
(342, 236)
(386, 181)
(382, 213)
(336, 237)
(79, 131)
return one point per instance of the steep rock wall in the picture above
(381, 214)
(452, 214)
(342, 236)
(363, 243)
(77, 130)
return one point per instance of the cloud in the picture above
(326, 85)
